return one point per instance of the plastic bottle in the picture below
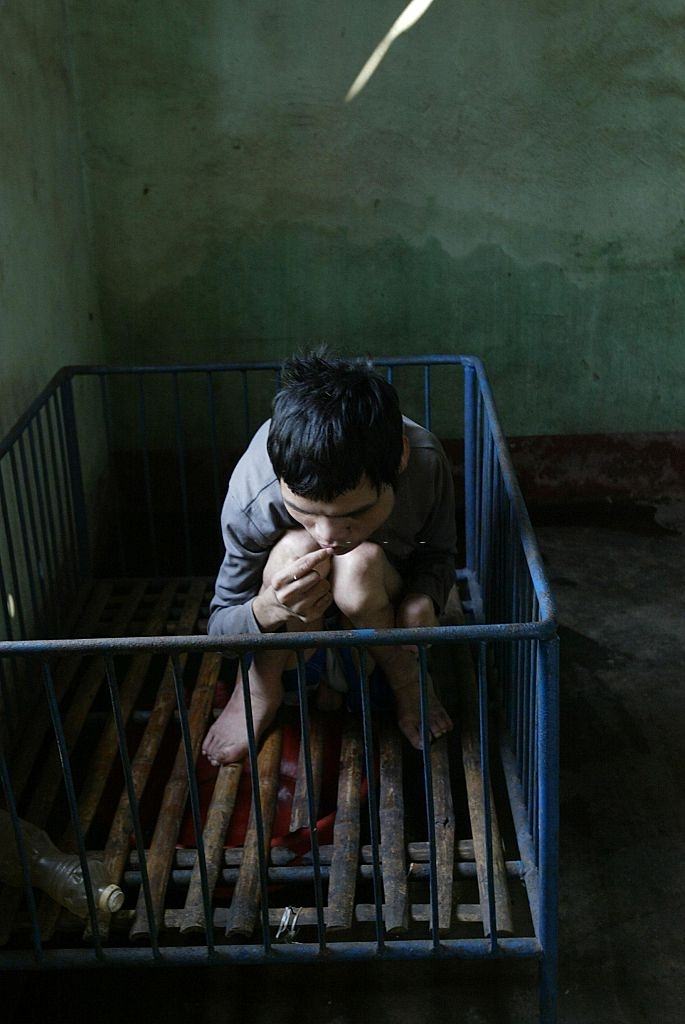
(56, 873)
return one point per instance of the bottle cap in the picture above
(111, 899)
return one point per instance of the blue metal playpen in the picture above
(110, 486)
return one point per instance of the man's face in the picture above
(345, 522)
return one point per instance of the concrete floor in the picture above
(618, 578)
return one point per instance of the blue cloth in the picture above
(380, 691)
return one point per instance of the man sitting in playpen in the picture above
(340, 514)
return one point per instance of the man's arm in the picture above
(238, 606)
(240, 575)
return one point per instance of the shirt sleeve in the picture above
(240, 575)
(432, 567)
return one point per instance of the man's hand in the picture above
(299, 591)
(415, 611)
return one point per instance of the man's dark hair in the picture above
(333, 421)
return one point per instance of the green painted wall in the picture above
(510, 183)
(48, 307)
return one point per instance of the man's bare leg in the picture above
(365, 589)
(226, 741)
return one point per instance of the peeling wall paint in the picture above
(509, 183)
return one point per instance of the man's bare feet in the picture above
(226, 741)
(408, 707)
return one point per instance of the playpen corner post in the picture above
(548, 823)
(75, 477)
(470, 454)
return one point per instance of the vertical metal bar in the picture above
(525, 708)
(389, 374)
(113, 685)
(548, 739)
(18, 603)
(38, 489)
(372, 799)
(180, 448)
(142, 427)
(67, 544)
(19, 837)
(485, 774)
(496, 557)
(69, 503)
(177, 672)
(213, 443)
(533, 757)
(530, 728)
(37, 554)
(534, 726)
(479, 473)
(494, 575)
(246, 406)
(427, 419)
(4, 593)
(76, 477)
(44, 478)
(313, 830)
(45, 566)
(109, 441)
(73, 806)
(470, 466)
(505, 649)
(513, 647)
(485, 518)
(518, 658)
(528, 737)
(430, 803)
(257, 802)
(37, 610)
(14, 706)
(4, 600)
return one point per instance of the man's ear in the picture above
(405, 453)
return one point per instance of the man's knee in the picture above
(293, 544)
(362, 580)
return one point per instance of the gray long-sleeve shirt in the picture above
(419, 536)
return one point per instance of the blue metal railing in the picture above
(46, 552)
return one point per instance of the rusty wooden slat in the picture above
(419, 851)
(244, 907)
(37, 728)
(345, 858)
(299, 815)
(107, 748)
(464, 866)
(175, 794)
(458, 663)
(117, 845)
(281, 856)
(463, 913)
(444, 831)
(391, 813)
(187, 858)
(86, 692)
(50, 780)
(214, 835)
(470, 742)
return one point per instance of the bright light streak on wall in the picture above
(409, 16)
